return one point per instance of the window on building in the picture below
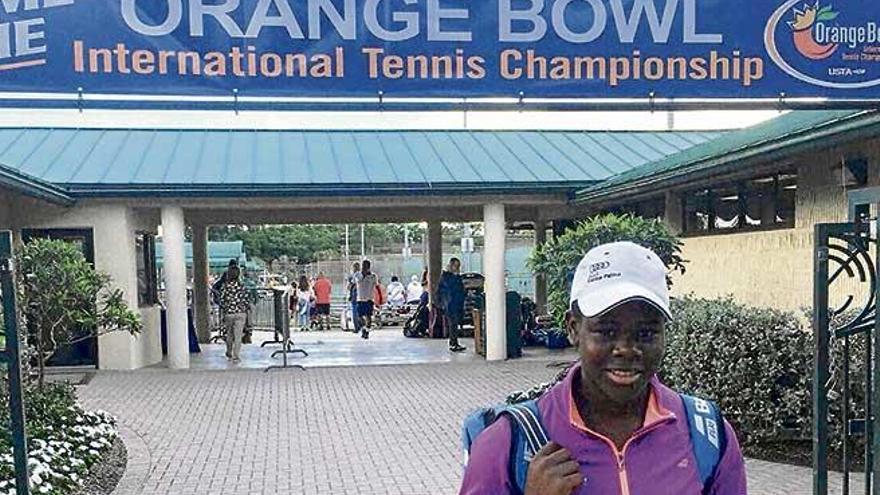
(652, 208)
(147, 275)
(649, 208)
(786, 190)
(764, 202)
(855, 172)
(697, 211)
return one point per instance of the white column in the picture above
(201, 301)
(493, 270)
(435, 255)
(175, 286)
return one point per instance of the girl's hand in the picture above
(553, 472)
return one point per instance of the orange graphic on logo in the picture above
(803, 31)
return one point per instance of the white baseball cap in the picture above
(613, 274)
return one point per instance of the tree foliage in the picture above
(308, 243)
(558, 258)
(64, 300)
(268, 243)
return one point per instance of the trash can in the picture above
(514, 324)
(191, 331)
(479, 316)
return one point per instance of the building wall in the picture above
(775, 268)
(114, 228)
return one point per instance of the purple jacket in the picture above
(657, 460)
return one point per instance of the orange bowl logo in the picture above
(817, 45)
(802, 30)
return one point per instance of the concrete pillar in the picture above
(674, 215)
(493, 270)
(435, 255)
(201, 301)
(540, 281)
(115, 255)
(175, 286)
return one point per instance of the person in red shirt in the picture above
(380, 297)
(322, 289)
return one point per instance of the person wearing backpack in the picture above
(450, 300)
(609, 426)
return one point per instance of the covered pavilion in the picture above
(111, 187)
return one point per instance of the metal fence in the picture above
(260, 317)
(262, 314)
(846, 374)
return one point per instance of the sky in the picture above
(693, 120)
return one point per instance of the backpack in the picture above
(528, 436)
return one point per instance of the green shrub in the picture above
(64, 440)
(558, 258)
(755, 362)
(65, 300)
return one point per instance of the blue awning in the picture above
(33, 187)
(133, 162)
(219, 253)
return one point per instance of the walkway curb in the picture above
(138, 464)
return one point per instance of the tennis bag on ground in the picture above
(417, 324)
(528, 436)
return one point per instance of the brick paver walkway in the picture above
(365, 430)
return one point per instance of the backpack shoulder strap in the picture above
(528, 436)
(708, 436)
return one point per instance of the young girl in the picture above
(303, 303)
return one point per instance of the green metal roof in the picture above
(219, 253)
(33, 187)
(123, 162)
(793, 132)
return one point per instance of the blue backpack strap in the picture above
(708, 437)
(474, 424)
(528, 436)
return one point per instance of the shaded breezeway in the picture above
(348, 430)
(386, 346)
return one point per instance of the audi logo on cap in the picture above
(602, 265)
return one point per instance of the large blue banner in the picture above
(451, 48)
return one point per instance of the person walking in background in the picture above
(366, 293)
(234, 300)
(414, 290)
(304, 299)
(396, 292)
(217, 286)
(450, 299)
(323, 288)
(352, 296)
(217, 295)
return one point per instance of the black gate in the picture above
(845, 323)
(10, 356)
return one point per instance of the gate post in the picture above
(12, 356)
(873, 443)
(820, 374)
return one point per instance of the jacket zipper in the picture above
(621, 455)
(624, 483)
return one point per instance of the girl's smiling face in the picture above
(620, 350)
